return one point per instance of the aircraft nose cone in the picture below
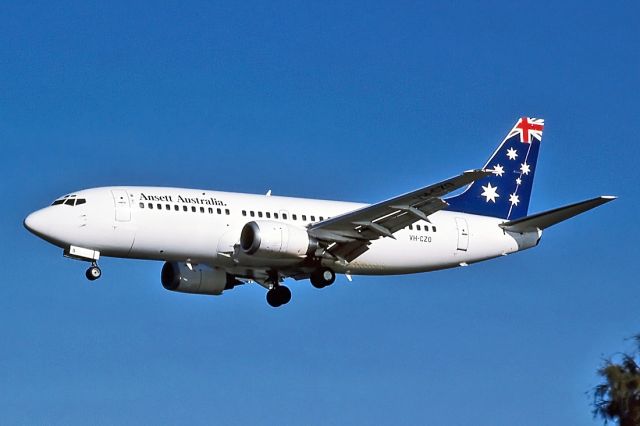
(35, 222)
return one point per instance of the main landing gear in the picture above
(278, 295)
(322, 277)
(94, 272)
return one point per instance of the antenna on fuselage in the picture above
(268, 193)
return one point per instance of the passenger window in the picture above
(168, 207)
(219, 211)
(176, 207)
(142, 205)
(159, 206)
(313, 218)
(226, 211)
(321, 218)
(411, 227)
(150, 205)
(184, 208)
(295, 217)
(201, 209)
(252, 214)
(284, 216)
(433, 228)
(210, 210)
(193, 209)
(418, 227)
(275, 215)
(304, 217)
(268, 215)
(259, 214)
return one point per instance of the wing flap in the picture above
(349, 251)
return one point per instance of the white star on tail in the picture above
(519, 181)
(525, 168)
(514, 199)
(490, 192)
(498, 170)
(512, 154)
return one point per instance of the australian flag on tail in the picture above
(507, 191)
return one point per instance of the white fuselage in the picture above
(202, 226)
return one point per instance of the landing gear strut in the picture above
(322, 277)
(279, 295)
(94, 272)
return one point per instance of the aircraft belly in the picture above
(180, 240)
(415, 251)
(408, 253)
(110, 239)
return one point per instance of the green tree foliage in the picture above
(618, 397)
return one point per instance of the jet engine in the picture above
(268, 238)
(199, 279)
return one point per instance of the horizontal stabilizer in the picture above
(546, 219)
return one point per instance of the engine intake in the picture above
(268, 238)
(201, 279)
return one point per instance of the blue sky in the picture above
(340, 100)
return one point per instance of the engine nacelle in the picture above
(200, 279)
(269, 238)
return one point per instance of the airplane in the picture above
(212, 241)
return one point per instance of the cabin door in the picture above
(463, 234)
(122, 205)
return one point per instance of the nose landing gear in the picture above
(86, 255)
(94, 272)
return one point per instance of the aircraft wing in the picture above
(349, 235)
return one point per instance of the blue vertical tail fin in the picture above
(507, 191)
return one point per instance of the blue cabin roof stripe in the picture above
(506, 193)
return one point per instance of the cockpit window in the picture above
(69, 200)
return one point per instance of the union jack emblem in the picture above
(528, 128)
